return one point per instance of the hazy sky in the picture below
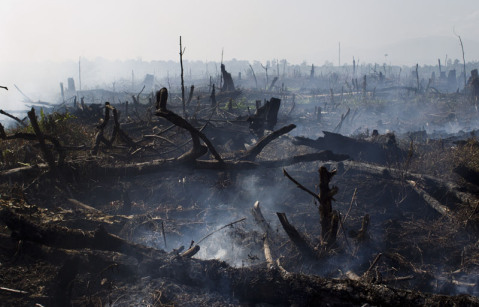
(37, 30)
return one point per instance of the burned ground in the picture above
(119, 221)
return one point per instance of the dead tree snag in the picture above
(41, 139)
(213, 97)
(182, 51)
(117, 131)
(328, 218)
(99, 137)
(190, 96)
(198, 150)
(266, 116)
(228, 84)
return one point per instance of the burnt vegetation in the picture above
(332, 188)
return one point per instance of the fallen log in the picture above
(250, 154)
(191, 251)
(270, 238)
(431, 201)
(78, 204)
(58, 236)
(95, 169)
(91, 260)
(379, 148)
(242, 284)
(262, 223)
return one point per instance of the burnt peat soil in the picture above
(97, 231)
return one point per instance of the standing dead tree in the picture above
(136, 103)
(272, 84)
(266, 72)
(463, 58)
(41, 139)
(417, 77)
(190, 96)
(117, 131)
(183, 102)
(228, 84)
(213, 97)
(254, 76)
(329, 218)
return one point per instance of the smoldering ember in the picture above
(272, 185)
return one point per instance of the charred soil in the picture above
(158, 209)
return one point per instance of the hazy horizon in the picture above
(39, 36)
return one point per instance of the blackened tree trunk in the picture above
(228, 84)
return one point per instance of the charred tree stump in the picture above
(228, 84)
(328, 218)
(99, 137)
(190, 96)
(362, 234)
(41, 139)
(265, 117)
(272, 113)
(213, 97)
(118, 131)
(198, 150)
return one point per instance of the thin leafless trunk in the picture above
(183, 102)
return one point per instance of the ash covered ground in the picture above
(133, 207)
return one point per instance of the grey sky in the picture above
(37, 30)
